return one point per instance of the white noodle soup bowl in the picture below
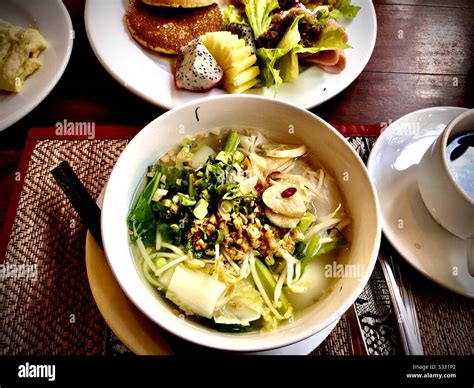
(283, 123)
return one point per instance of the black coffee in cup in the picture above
(460, 156)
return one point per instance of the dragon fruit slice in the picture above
(196, 69)
(244, 32)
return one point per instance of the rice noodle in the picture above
(172, 248)
(345, 222)
(171, 264)
(231, 262)
(146, 256)
(279, 286)
(146, 272)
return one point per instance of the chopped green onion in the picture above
(237, 157)
(232, 142)
(227, 206)
(200, 210)
(306, 221)
(186, 200)
(311, 250)
(220, 236)
(191, 186)
(331, 246)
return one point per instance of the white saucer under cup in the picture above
(406, 222)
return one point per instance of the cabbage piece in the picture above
(194, 291)
(240, 305)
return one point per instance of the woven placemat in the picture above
(54, 312)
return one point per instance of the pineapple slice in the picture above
(241, 88)
(235, 58)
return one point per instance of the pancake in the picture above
(166, 30)
(179, 3)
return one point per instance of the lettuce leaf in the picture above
(331, 38)
(323, 14)
(346, 9)
(259, 14)
(231, 15)
(281, 64)
(289, 66)
(271, 67)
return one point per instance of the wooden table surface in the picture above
(424, 57)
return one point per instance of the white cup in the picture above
(447, 202)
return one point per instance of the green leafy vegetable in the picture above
(231, 15)
(270, 69)
(332, 38)
(259, 14)
(324, 13)
(143, 211)
(346, 9)
(299, 250)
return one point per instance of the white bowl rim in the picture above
(219, 340)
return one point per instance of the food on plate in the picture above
(179, 3)
(19, 51)
(276, 37)
(236, 59)
(196, 69)
(167, 29)
(290, 32)
(263, 42)
(229, 240)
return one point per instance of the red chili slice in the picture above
(288, 192)
(259, 187)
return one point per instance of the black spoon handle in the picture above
(79, 197)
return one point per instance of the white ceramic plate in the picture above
(52, 19)
(150, 77)
(406, 222)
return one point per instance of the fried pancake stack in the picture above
(167, 25)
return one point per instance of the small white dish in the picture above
(150, 75)
(52, 20)
(407, 223)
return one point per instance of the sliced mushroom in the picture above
(293, 206)
(274, 164)
(281, 220)
(276, 150)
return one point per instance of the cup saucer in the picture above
(406, 222)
